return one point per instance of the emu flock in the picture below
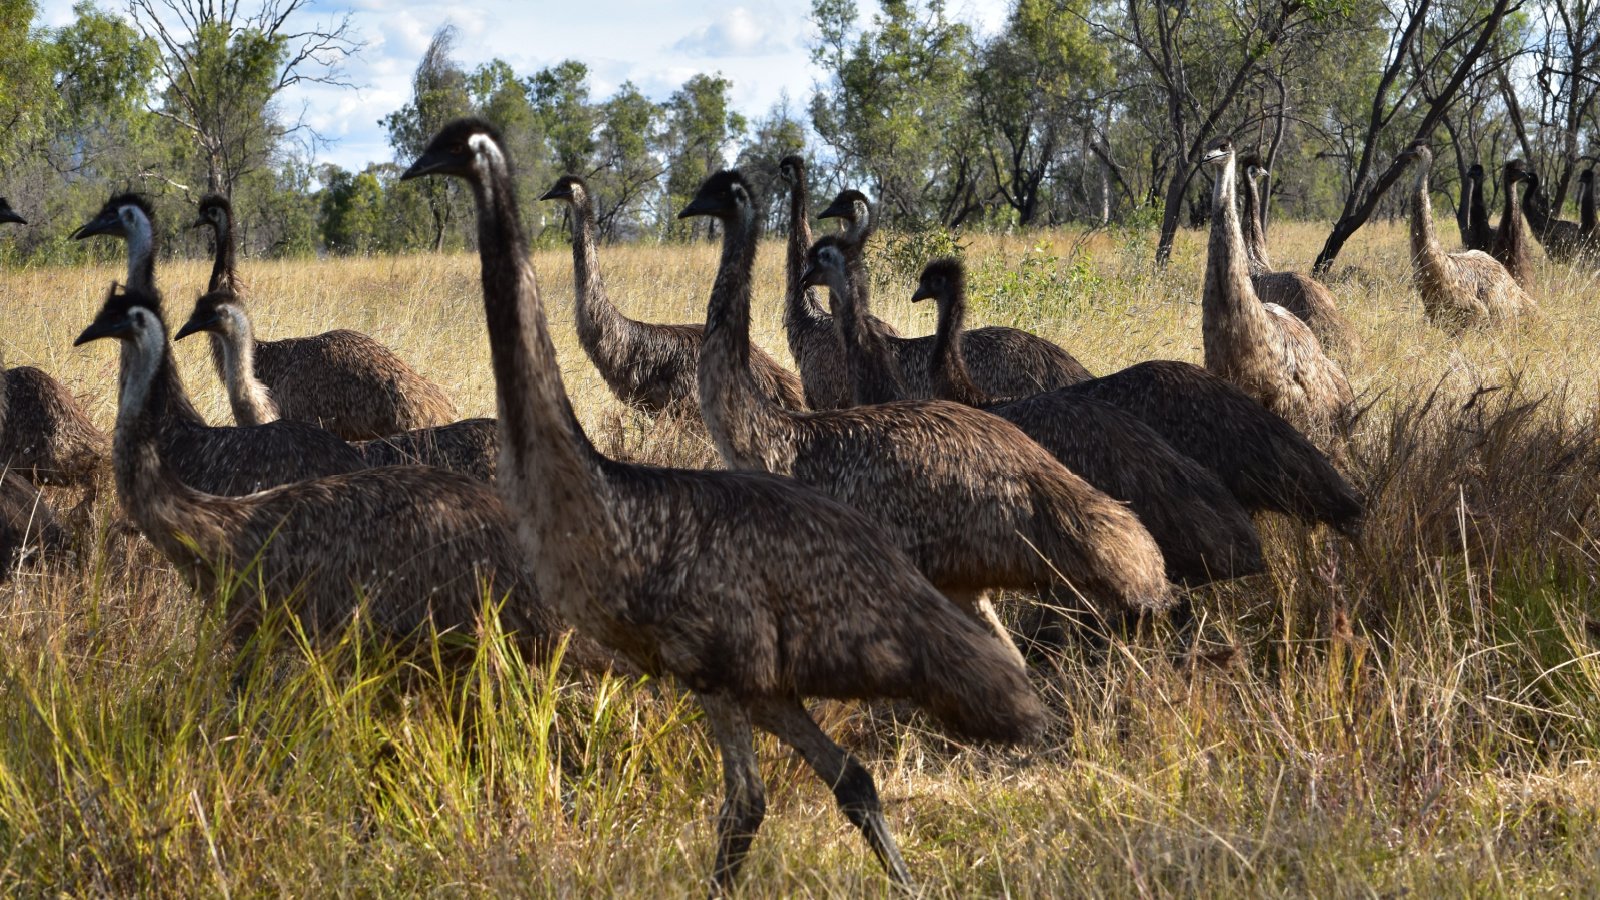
(872, 508)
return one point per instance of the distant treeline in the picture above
(1073, 112)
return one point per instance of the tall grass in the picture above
(1412, 715)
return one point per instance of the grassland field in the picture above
(1420, 719)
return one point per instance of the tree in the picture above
(26, 96)
(559, 96)
(438, 95)
(1030, 95)
(1363, 198)
(626, 170)
(224, 68)
(773, 137)
(700, 123)
(894, 109)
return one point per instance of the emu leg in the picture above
(852, 785)
(978, 605)
(744, 803)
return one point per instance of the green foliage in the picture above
(898, 260)
(1038, 286)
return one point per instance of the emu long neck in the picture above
(224, 276)
(874, 373)
(1586, 207)
(1536, 208)
(1510, 239)
(224, 272)
(1477, 211)
(600, 324)
(548, 469)
(1229, 304)
(1255, 236)
(142, 258)
(155, 499)
(947, 367)
(799, 301)
(742, 420)
(250, 400)
(1425, 250)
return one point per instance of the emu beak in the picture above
(10, 215)
(106, 224)
(838, 209)
(699, 206)
(921, 294)
(433, 162)
(98, 330)
(197, 323)
(557, 193)
(811, 275)
(199, 223)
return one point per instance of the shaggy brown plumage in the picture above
(471, 446)
(646, 365)
(1510, 244)
(1266, 464)
(45, 436)
(752, 591)
(1203, 532)
(342, 380)
(415, 546)
(227, 461)
(1262, 348)
(1307, 298)
(1459, 290)
(1003, 361)
(988, 508)
(1480, 235)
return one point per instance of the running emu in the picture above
(752, 591)
(342, 380)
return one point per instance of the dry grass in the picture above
(1416, 715)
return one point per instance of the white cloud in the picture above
(737, 32)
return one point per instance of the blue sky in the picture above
(759, 45)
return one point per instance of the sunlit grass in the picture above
(1444, 744)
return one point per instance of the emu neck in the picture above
(1255, 236)
(742, 421)
(599, 321)
(154, 498)
(250, 400)
(1535, 208)
(548, 471)
(947, 367)
(224, 274)
(1425, 251)
(875, 375)
(142, 259)
(1586, 208)
(1477, 213)
(1511, 243)
(1231, 312)
(799, 301)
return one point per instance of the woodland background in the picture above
(1076, 111)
